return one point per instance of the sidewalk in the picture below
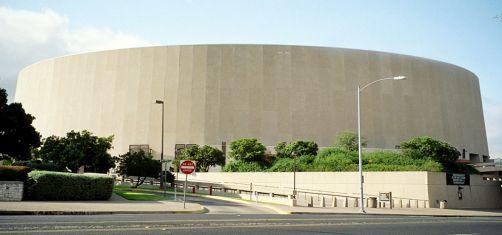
(116, 205)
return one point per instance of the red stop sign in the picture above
(187, 167)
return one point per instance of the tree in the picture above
(139, 164)
(247, 150)
(205, 156)
(78, 149)
(348, 141)
(280, 150)
(296, 148)
(427, 147)
(17, 135)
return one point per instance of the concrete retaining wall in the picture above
(409, 189)
(11, 190)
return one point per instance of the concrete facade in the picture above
(216, 93)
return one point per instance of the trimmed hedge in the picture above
(38, 165)
(14, 173)
(48, 185)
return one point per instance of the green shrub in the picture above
(48, 185)
(279, 149)
(427, 147)
(242, 166)
(14, 173)
(334, 163)
(394, 161)
(6, 162)
(39, 165)
(335, 159)
(348, 141)
(248, 150)
(454, 167)
(334, 151)
(296, 148)
(169, 177)
(338, 159)
(206, 156)
(303, 163)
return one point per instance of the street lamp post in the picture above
(361, 178)
(162, 146)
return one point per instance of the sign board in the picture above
(136, 148)
(187, 167)
(166, 164)
(385, 197)
(457, 179)
(177, 149)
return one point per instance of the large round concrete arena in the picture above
(216, 93)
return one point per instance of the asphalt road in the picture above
(247, 224)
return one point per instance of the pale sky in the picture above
(467, 33)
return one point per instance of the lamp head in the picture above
(159, 102)
(399, 78)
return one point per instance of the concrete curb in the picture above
(201, 211)
(229, 199)
(414, 215)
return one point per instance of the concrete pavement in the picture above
(115, 205)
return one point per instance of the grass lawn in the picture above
(140, 196)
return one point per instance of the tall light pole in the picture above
(294, 174)
(361, 179)
(162, 146)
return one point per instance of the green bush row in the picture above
(242, 166)
(14, 173)
(337, 159)
(48, 185)
(38, 165)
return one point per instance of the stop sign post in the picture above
(187, 167)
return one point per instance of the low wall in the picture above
(401, 184)
(479, 193)
(409, 189)
(11, 190)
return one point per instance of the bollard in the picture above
(333, 203)
(193, 189)
(293, 199)
(210, 189)
(372, 202)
